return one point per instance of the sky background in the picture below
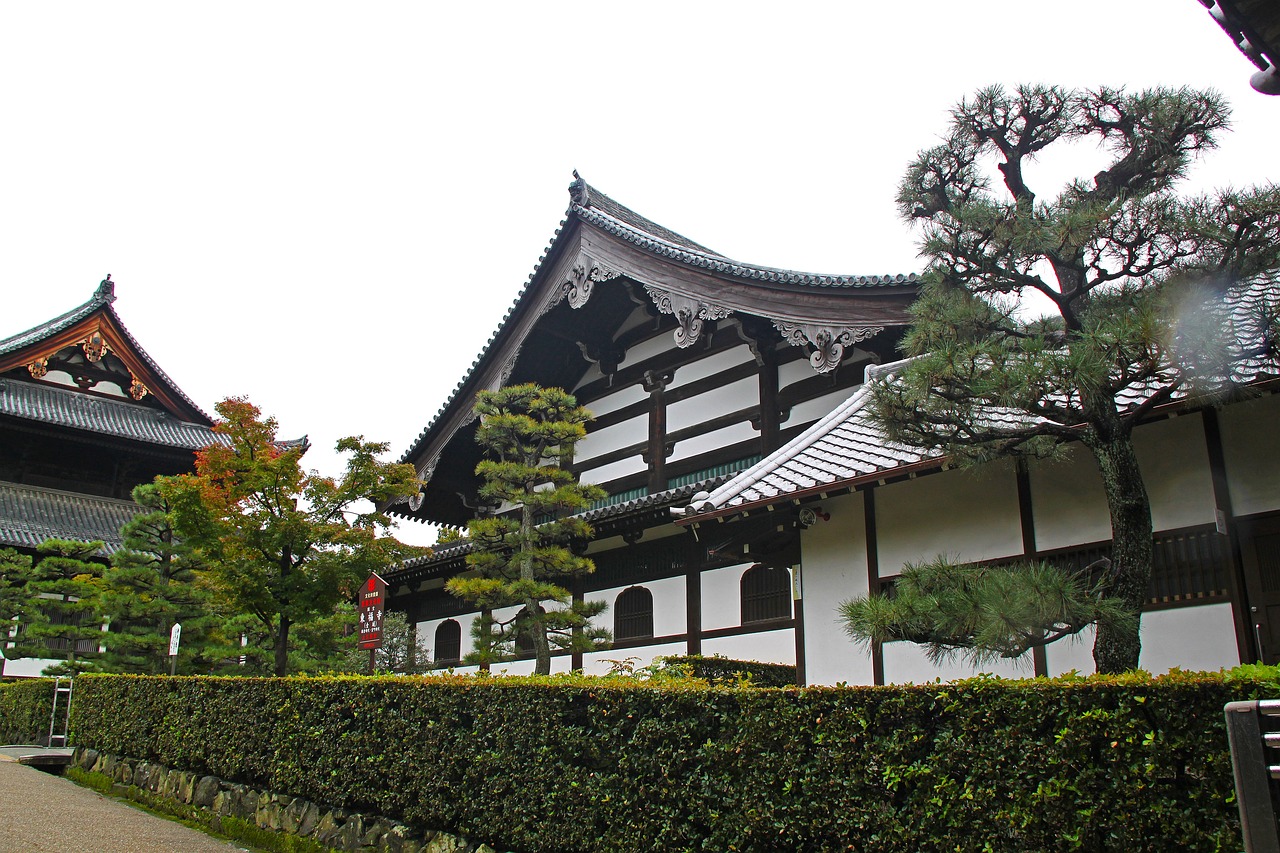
(329, 207)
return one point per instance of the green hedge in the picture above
(573, 764)
(722, 670)
(25, 707)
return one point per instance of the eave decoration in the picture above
(828, 342)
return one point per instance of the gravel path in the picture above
(40, 812)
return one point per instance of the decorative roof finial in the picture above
(106, 289)
(579, 194)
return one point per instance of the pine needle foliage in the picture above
(984, 613)
(1071, 317)
(61, 609)
(525, 550)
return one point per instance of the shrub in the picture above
(579, 764)
(25, 708)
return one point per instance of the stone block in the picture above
(205, 792)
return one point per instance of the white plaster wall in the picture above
(648, 349)
(600, 441)
(811, 410)
(969, 515)
(714, 440)
(718, 401)
(765, 647)
(722, 597)
(615, 400)
(668, 605)
(26, 667)
(905, 663)
(427, 632)
(1067, 503)
(795, 371)
(1071, 654)
(711, 365)
(833, 569)
(599, 663)
(1175, 466)
(613, 470)
(1249, 447)
(1196, 638)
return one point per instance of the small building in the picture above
(696, 366)
(85, 416)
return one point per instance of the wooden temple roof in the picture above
(30, 514)
(600, 241)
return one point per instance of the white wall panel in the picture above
(1067, 503)
(613, 470)
(648, 349)
(711, 365)
(1071, 654)
(713, 441)
(1196, 638)
(601, 441)
(968, 515)
(795, 371)
(712, 404)
(598, 663)
(764, 647)
(722, 597)
(615, 400)
(668, 605)
(905, 663)
(833, 559)
(1249, 445)
(1175, 466)
(811, 410)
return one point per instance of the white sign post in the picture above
(174, 634)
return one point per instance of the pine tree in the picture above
(1044, 321)
(521, 552)
(61, 611)
(152, 584)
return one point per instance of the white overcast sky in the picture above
(328, 207)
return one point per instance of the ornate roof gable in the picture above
(92, 346)
(600, 241)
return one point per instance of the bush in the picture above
(576, 764)
(721, 670)
(25, 707)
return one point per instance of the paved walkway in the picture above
(40, 812)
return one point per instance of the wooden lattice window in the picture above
(448, 642)
(633, 614)
(766, 594)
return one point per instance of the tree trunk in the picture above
(537, 627)
(282, 646)
(1115, 650)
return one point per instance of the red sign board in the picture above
(372, 595)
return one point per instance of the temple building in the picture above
(85, 415)
(750, 493)
(695, 366)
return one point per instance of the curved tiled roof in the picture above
(848, 444)
(589, 205)
(29, 515)
(102, 300)
(68, 408)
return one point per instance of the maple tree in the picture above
(284, 546)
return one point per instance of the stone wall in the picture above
(340, 829)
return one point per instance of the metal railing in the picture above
(1253, 731)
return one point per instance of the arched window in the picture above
(766, 594)
(633, 614)
(448, 642)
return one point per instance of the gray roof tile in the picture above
(29, 515)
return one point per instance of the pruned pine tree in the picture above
(61, 615)
(15, 571)
(524, 552)
(151, 584)
(1071, 317)
(985, 613)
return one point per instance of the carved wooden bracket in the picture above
(38, 368)
(690, 313)
(583, 277)
(137, 390)
(95, 347)
(828, 342)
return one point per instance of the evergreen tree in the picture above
(521, 552)
(151, 584)
(283, 545)
(15, 571)
(61, 613)
(1121, 267)
(402, 650)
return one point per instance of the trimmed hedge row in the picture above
(25, 708)
(721, 670)
(574, 764)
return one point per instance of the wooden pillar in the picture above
(575, 656)
(656, 455)
(1224, 513)
(693, 609)
(770, 416)
(873, 574)
(1026, 516)
(797, 607)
